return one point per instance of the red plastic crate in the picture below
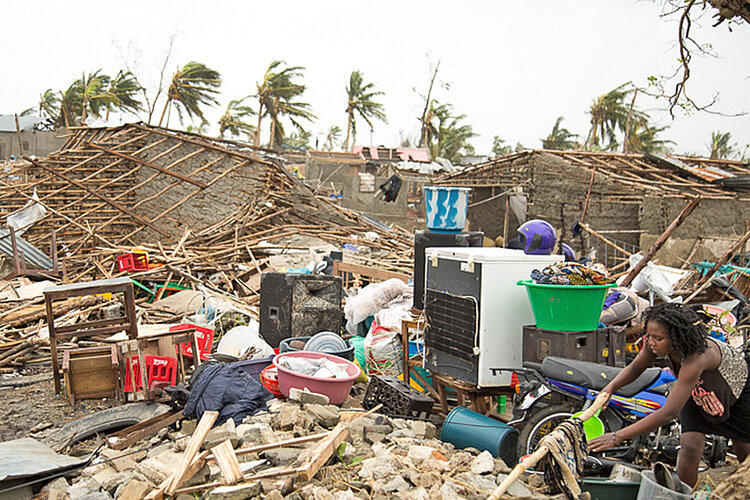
(204, 336)
(132, 261)
(160, 368)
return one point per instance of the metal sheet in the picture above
(8, 122)
(28, 457)
(31, 254)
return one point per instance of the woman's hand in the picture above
(603, 442)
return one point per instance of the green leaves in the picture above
(193, 85)
(361, 101)
(232, 120)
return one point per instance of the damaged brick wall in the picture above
(718, 224)
(212, 204)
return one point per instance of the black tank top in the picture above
(718, 389)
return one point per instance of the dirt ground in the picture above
(29, 406)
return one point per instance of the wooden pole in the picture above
(660, 241)
(723, 260)
(18, 135)
(532, 459)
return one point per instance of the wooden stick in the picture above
(532, 459)
(660, 241)
(194, 444)
(228, 463)
(322, 452)
(723, 260)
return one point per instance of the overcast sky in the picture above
(513, 66)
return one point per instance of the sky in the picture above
(511, 66)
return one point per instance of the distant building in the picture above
(33, 141)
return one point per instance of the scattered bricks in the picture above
(423, 429)
(157, 469)
(305, 396)
(477, 482)
(120, 460)
(252, 433)
(451, 491)
(58, 484)
(188, 426)
(516, 488)
(133, 490)
(378, 467)
(235, 492)
(396, 483)
(421, 480)
(281, 456)
(501, 468)
(325, 416)
(288, 417)
(97, 495)
(484, 463)
(82, 488)
(158, 450)
(219, 434)
(418, 454)
(274, 495)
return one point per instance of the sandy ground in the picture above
(29, 409)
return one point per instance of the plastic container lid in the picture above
(326, 342)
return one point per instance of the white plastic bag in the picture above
(372, 299)
(28, 215)
(382, 351)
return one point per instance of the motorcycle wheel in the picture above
(538, 425)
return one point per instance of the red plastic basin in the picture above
(337, 389)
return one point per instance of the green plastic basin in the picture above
(567, 308)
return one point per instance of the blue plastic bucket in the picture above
(445, 208)
(464, 428)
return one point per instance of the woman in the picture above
(711, 395)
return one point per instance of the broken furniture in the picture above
(605, 346)
(298, 305)
(125, 437)
(23, 252)
(467, 393)
(125, 323)
(161, 370)
(132, 261)
(410, 362)
(91, 372)
(345, 270)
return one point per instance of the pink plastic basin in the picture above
(337, 389)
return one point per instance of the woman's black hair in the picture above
(686, 331)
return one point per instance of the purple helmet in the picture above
(569, 253)
(537, 237)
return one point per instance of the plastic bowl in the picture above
(269, 378)
(567, 308)
(347, 353)
(337, 389)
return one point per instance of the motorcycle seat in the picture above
(595, 376)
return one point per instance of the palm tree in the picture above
(499, 148)
(192, 85)
(560, 138)
(276, 94)
(232, 120)
(360, 101)
(333, 138)
(49, 104)
(433, 118)
(445, 135)
(720, 146)
(94, 94)
(609, 114)
(122, 93)
(71, 105)
(643, 139)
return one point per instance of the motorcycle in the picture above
(553, 391)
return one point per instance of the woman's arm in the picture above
(690, 373)
(643, 360)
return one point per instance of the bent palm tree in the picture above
(609, 114)
(276, 94)
(232, 120)
(560, 138)
(360, 100)
(643, 139)
(333, 137)
(720, 147)
(122, 93)
(94, 95)
(192, 86)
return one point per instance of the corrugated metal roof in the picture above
(8, 122)
(708, 173)
(30, 253)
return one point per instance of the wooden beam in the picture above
(322, 452)
(97, 195)
(228, 463)
(150, 165)
(660, 241)
(371, 272)
(194, 444)
(723, 260)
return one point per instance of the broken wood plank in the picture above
(322, 452)
(194, 444)
(659, 242)
(228, 463)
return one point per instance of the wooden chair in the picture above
(127, 323)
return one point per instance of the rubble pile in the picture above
(382, 458)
